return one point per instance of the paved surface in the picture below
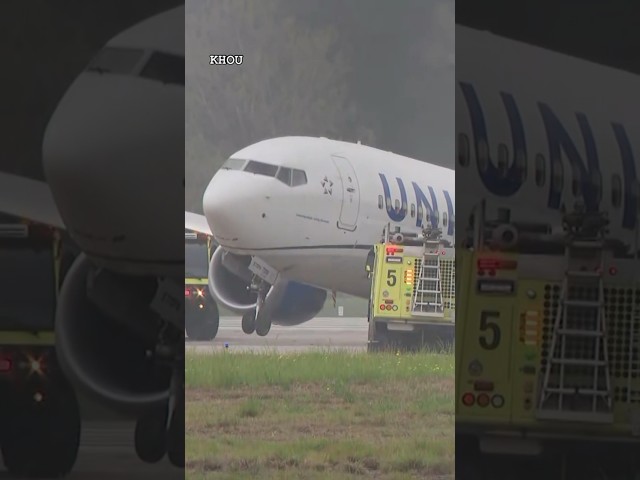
(320, 333)
(344, 333)
(106, 452)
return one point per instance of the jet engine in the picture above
(112, 360)
(229, 281)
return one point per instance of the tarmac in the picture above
(107, 452)
(334, 333)
(320, 333)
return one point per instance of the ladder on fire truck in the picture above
(577, 383)
(427, 294)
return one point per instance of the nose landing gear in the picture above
(258, 320)
(160, 430)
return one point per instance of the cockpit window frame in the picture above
(132, 70)
(137, 68)
(240, 161)
(158, 54)
(296, 177)
(304, 178)
(263, 164)
(280, 177)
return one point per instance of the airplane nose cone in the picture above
(113, 157)
(225, 206)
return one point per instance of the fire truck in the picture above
(201, 311)
(548, 342)
(39, 413)
(412, 303)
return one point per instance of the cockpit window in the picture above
(233, 164)
(284, 175)
(289, 176)
(160, 66)
(164, 67)
(116, 60)
(298, 177)
(260, 168)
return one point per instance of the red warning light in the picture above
(491, 263)
(613, 271)
(468, 399)
(187, 292)
(5, 364)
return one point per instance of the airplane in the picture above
(545, 131)
(112, 159)
(295, 217)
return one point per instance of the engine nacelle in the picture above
(230, 288)
(230, 277)
(299, 303)
(102, 356)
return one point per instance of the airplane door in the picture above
(350, 194)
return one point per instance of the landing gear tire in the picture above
(202, 323)
(263, 322)
(150, 435)
(44, 437)
(249, 322)
(175, 448)
(263, 325)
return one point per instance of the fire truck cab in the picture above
(201, 311)
(39, 412)
(412, 303)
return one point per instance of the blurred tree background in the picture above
(371, 70)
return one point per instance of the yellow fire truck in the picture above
(412, 302)
(548, 341)
(39, 412)
(201, 311)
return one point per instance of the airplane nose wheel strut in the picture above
(160, 430)
(175, 423)
(257, 320)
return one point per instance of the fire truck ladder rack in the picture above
(577, 383)
(427, 295)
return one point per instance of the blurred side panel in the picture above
(91, 254)
(548, 329)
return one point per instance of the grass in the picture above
(319, 415)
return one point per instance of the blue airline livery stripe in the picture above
(559, 141)
(421, 201)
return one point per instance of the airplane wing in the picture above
(197, 223)
(29, 199)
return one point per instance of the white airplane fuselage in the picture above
(112, 150)
(320, 232)
(112, 155)
(544, 130)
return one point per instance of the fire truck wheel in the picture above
(249, 322)
(379, 344)
(468, 464)
(379, 337)
(45, 437)
(151, 434)
(175, 450)
(202, 323)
